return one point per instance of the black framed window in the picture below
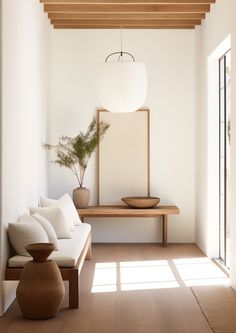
(224, 156)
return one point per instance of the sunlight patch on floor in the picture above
(146, 275)
(156, 274)
(200, 272)
(105, 278)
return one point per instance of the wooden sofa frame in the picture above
(70, 274)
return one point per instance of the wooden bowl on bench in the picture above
(141, 202)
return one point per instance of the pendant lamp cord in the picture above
(121, 52)
(121, 43)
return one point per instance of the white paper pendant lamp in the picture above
(122, 86)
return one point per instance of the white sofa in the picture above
(70, 257)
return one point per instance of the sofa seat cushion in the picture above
(68, 252)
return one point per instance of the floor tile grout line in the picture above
(194, 295)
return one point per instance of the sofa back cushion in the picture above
(56, 217)
(48, 229)
(25, 233)
(66, 203)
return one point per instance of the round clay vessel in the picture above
(41, 290)
(81, 197)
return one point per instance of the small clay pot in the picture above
(81, 197)
(41, 290)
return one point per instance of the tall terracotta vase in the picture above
(81, 197)
(41, 290)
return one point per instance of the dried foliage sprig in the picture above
(75, 152)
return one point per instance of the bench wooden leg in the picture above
(164, 230)
(89, 253)
(74, 289)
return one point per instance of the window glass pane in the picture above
(222, 72)
(222, 105)
(224, 156)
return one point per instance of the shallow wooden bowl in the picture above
(141, 202)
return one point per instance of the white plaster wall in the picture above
(169, 56)
(24, 102)
(212, 39)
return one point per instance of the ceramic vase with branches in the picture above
(75, 152)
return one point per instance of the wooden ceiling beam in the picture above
(126, 22)
(123, 16)
(121, 8)
(128, 1)
(133, 14)
(187, 26)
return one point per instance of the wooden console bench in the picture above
(124, 211)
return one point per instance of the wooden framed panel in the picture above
(123, 157)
